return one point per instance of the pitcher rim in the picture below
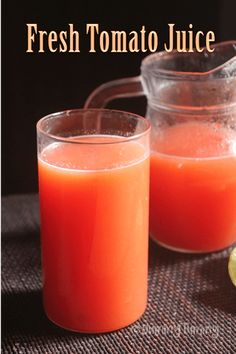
(187, 75)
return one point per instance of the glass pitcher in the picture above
(191, 104)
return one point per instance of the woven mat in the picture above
(191, 304)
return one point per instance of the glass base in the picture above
(82, 331)
(182, 250)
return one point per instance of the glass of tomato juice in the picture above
(94, 194)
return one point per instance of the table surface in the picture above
(191, 301)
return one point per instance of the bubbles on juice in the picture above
(195, 140)
(94, 153)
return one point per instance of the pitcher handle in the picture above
(126, 87)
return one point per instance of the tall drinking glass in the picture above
(94, 195)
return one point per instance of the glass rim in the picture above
(98, 110)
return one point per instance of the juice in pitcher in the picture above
(193, 187)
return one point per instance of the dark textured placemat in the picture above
(191, 304)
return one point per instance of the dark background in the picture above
(37, 84)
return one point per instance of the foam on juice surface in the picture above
(93, 152)
(195, 140)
